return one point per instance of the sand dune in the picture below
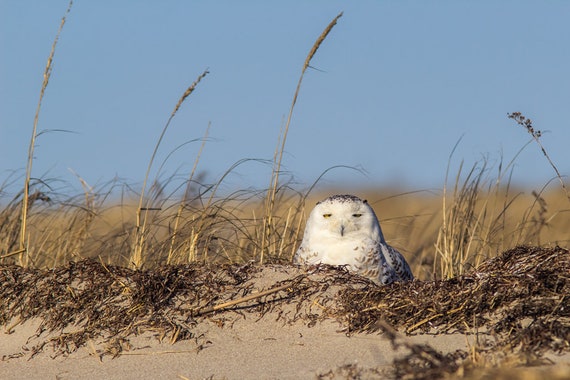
(86, 320)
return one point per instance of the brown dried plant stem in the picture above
(536, 135)
(184, 199)
(272, 191)
(141, 220)
(229, 304)
(25, 198)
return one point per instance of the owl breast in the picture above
(358, 256)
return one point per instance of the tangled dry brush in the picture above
(516, 304)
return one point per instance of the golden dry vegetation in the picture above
(471, 222)
(231, 229)
(442, 232)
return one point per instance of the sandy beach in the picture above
(251, 349)
(271, 322)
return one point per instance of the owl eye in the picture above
(357, 215)
(327, 216)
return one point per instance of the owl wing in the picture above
(305, 256)
(299, 257)
(396, 261)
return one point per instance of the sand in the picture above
(316, 323)
(262, 349)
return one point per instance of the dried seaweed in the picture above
(97, 301)
(522, 283)
(518, 300)
(351, 371)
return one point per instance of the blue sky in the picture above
(398, 84)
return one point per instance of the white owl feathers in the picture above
(344, 230)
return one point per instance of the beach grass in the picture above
(476, 215)
(442, 232)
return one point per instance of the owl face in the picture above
(343, 230)
(344, 217)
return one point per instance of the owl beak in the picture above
(342, 230)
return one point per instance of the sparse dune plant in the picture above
(477, 217)
(169, 221)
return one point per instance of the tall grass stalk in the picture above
(274, 183)
(536, 134)
(474, 224)
(23, 249)
(471, 224)
(141, 219)
(183, 202)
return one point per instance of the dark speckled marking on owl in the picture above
(343, 198)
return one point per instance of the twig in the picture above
(226, 305)
(14, 253)
(426, 320)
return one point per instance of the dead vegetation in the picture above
(99, 272)
(516, 305)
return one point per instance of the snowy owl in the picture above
(343, 230)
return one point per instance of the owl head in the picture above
(344, 216)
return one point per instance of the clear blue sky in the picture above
(399, 82)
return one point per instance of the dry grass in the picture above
(516, 306)
(206, 228)
(158, 237)
(145, 204)
(268, 242)
(23, 244)
(442, 234)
